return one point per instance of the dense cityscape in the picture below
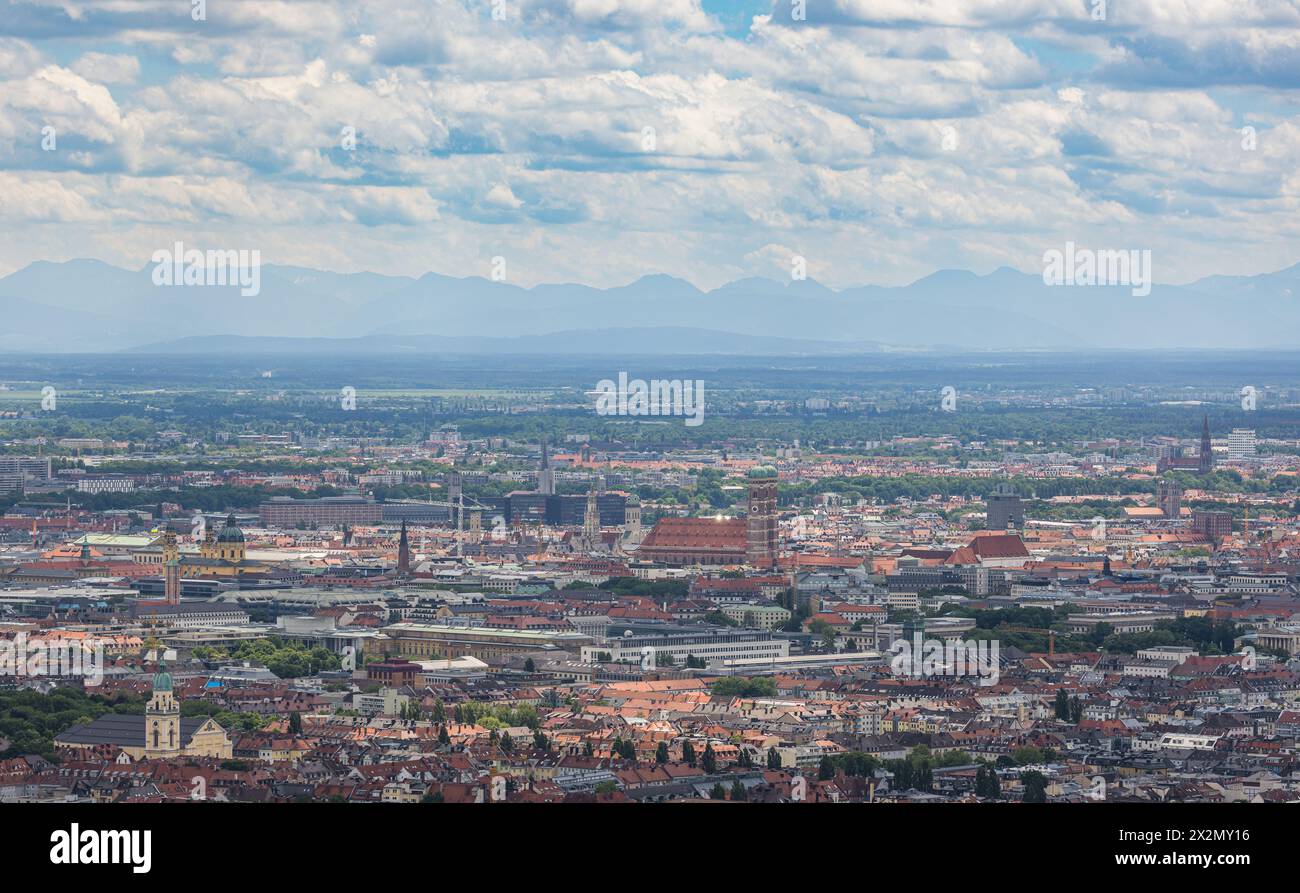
(510, 596)
(424, 420)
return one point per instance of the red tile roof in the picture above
(697, 533)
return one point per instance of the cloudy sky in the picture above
(600, 140)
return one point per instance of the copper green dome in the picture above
(162, 680)
(761, 471)
(231, 532)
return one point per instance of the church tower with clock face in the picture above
(162, 719)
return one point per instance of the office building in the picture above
(567, 510)
(15, 471)
(282, 511)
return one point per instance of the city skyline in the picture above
(782, 404)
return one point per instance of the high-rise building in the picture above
(15, 471)
(1241, 443)
(1207, 450)
(1169, 497)
(565, 510)
(760, 524)
(1005, 508)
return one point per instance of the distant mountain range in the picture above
(649, 340)
(90, 306)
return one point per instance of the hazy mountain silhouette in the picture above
(87, 305)
(663, 340)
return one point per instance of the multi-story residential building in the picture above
(1241, 443)
(757, 616)
(113, 483)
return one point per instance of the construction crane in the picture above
(1051, 635)
(458, 515)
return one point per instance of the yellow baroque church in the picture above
(162, 732)
(222, 555)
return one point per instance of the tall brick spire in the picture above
(1207, 451)
(403, 553)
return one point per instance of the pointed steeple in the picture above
(403, 552)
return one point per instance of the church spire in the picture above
(162, 716)
(1206, 464)
(403, 552)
